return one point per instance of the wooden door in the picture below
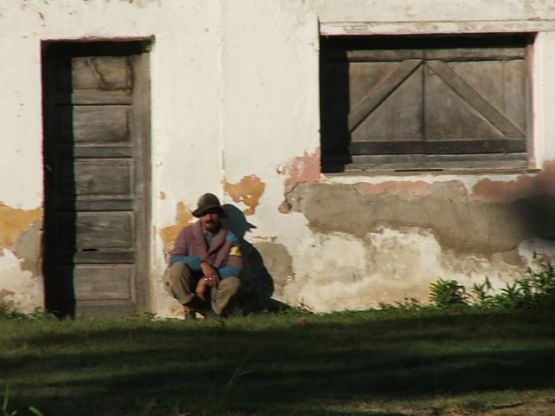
(96, 126)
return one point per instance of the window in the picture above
(424, 103)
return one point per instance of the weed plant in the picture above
(447, 294)
(535, 290)
(6, 411)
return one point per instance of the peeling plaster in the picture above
(6, 296)
(408, 190)
(384, 266)
(458, 222)
(341, 262)
(20, 259)
(279, 263)
(302, 169)
(393, 222)
(169, 234)
(15, 221)
(358, 273)
(525, 186)
(248, 191)
(537, 247)
(142, 3)
(20, 289)
(284, 207)
(28, 248)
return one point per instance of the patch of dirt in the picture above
(536, 407)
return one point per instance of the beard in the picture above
(211, 226)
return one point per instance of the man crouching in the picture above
(205, 262)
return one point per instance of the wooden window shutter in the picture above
(424, 103)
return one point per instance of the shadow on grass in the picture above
(165, 368)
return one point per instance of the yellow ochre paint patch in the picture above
(182, 218)
(249, 190)
(15, 221)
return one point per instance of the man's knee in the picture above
(230, 284)
(181, 282)
(225, 294)
(179, 272)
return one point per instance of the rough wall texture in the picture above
(235, 111)
(384, 241)
(459, 222)
(248, 191)
(279, 264)
(20, 258)
(169, 234)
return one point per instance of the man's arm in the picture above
(209, 279)
(231, 267)
(234, 261)
(180, 252)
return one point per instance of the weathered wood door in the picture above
(412, 103)
(96, 166)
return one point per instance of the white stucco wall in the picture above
(235, 95)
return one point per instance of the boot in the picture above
(189, 313)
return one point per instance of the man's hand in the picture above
(203, 284)
(210, 274)
(209, 279)
(201, 288)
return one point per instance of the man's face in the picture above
(210, 221)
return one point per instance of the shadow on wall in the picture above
(257, 283)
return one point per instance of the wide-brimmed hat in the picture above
(208, 202)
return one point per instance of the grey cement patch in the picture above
(28, 249)
(459, 224)
(278, 262)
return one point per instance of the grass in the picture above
(352, 363)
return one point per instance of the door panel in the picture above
(103, 124)
(101, 282)
(397, 115)
(96, 177)
(101, 73)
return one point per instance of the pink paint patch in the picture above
(304, 168)
(525, 186)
